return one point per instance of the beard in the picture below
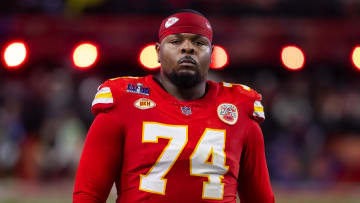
(184, 80)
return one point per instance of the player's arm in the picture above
(253, 182)
(100, 161)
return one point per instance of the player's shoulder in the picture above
(249, 95)
(108, 93)
(119, 82)
(241, 90)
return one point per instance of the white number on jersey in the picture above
(154, 180)
(210, 146)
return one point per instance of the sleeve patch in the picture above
(258, 110)
(103, 96)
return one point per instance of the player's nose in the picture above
(187, 47)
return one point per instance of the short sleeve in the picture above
(258, 111)
(103, 100)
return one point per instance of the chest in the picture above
(154, 129)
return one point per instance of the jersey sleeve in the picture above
(100, 161)
(256, 111)
(104, 99)
(253, 182)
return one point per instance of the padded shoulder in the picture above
(256, 110)
(105, 98)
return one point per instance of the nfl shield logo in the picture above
(186, 110)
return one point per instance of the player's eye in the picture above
(199, 43)
(175, 41)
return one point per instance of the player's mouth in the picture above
(187, 61)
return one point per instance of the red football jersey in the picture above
(160, 149)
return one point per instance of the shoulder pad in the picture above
(103, 100)
(256, 111)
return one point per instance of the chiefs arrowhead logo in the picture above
(228, 113)
(171, 21)
(144, 103)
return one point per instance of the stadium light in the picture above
(85, 55)
(15, 54)
(355, 56)
(148, 57)
(293, 57)
(219, 58)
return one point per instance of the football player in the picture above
(175, 137)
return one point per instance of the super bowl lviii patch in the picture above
(138, 89)
(144, 103)
(228, 113)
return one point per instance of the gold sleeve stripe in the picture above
(130, 77)
(104, 95)
(256, 108)
(104, 90)
(226, 84)
(246, 87)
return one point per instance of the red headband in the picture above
(185, 22)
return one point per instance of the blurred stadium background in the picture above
(312, 130)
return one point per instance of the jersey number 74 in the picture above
(211, 144)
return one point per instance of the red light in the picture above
(85, 55)
(355, 56)
(219, 58)
(15, 54)
(148, 57)
(293, 57)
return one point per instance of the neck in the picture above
(182, 94)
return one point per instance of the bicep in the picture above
(100, 160)
(253, 181)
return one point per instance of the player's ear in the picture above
(157, 47)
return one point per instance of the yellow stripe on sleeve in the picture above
(104, 95)
(226, 84)
(258, 108)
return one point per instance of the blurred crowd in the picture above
(311, 131)
(308, 8)
(313, 126)
(43, 122)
